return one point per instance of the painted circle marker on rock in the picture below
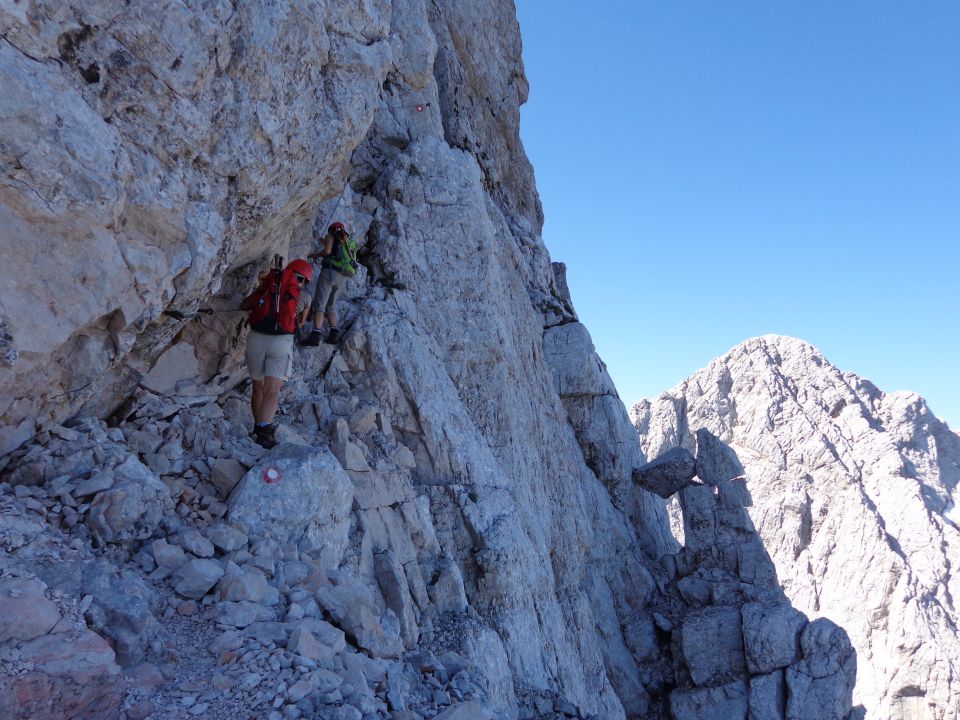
(271, 474)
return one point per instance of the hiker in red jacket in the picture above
(277, 308)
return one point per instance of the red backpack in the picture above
(273, 313)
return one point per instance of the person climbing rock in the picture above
(277, 308)
(339, 253)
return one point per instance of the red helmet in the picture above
(337, 226)
(301, 267)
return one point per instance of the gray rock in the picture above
(225, 474)
(228, 640)
(99, 482)
(193, 541)
(715, 460)
(768, 697)
(470, 710)
(238, 584)
(325, 633)
(167, 555)
(225, 538)
(115, 603)
(821, 684)
(197, 577)
(121, 610)
(447, 591)
(25, 612)
(299, 690)
(393, 585)
(309, 506)
(74, 669)
(302, 642)
(698, 505)
(726, 702)
(267, 631)
(712, 643)
(132, 508)
(178, 363)
(754, 564)
(214, 135)
(243, 613)
(771, 636)
(827, 456)
(667, 473)
(352, 607)
(325, 681)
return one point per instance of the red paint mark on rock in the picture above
(271, 474)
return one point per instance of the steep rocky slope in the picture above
(854, 496)
(454, 529)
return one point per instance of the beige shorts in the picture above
(329, 285)
(269, 355)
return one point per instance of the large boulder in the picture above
(352, 607)
(771, 635)
(667, 473)
(713, 644)
(726, 702)
(197, 577)
(25, 612)
(716, 461)
(73, 675)
(133, 507)
(820, 687)
(307, 504)
(120, 608)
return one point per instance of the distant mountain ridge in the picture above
(854, 494)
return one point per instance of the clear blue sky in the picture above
(712, 171)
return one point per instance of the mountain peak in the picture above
(852, 488)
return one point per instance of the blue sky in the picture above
(715, 171)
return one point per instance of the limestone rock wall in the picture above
(458, 532)
(157, 156)
(854, 494)
(148, 152)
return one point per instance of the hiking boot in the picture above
(313, 339)
(265, 436)
(333, 336)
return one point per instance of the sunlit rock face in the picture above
(453, 494)
(853, 494)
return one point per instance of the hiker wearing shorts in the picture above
(269, 351)
(339, 265)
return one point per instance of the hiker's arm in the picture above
(326, 250)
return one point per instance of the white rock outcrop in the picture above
(456, 493)
(853, 491)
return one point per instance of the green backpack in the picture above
(343, 259)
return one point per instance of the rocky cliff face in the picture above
(854, 496)
(450, 527)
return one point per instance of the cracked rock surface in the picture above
(854, 497)
(449, 526)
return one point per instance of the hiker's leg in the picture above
(256, 355)
(336, 282)
(325, 287)
(278, 363)
(256, 398)
(269, 397)
(317, 308)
